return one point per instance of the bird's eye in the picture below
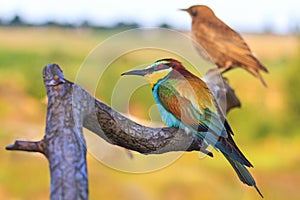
(194, 12)
(160, 66)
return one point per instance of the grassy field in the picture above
(267, 126)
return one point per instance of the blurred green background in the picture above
(266, 127)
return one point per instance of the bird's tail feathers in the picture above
(243, 173)
(227, 146)
(258, 75)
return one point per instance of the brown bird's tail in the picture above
(243, 173)
(258, 75)
(255, 71)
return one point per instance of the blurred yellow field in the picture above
(271, 46)
(266, 127)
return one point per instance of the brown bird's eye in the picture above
(194, 12)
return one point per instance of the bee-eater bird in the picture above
(225, 47)
(186, 101)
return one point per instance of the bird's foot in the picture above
(227, 67)
(203, 147)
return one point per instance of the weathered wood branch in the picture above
(69, 109)
(27, 146)
(64, 143)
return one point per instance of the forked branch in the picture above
(70, 108)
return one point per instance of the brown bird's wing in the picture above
(226, 47)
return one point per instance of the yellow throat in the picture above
(157, 75)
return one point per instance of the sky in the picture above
(250, 15)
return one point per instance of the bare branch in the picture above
(64, 142)
(26, 146)
(69, 109)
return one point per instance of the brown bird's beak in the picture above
(142, 72)
(183, 9)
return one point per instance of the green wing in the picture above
(203, 116)
(200, 117)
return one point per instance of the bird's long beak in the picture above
(141, 72)
(183, 9)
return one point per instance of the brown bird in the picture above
(225, 47)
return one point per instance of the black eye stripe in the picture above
(162, 67)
